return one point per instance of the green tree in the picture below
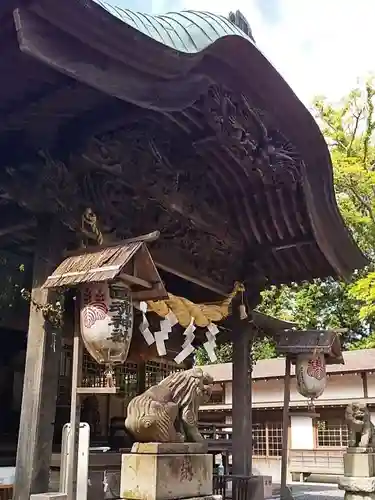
(349, 129)
(262, 348)
(14, 278)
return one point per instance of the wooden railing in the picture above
(6, 492)
(218, 438)
(215, 431)
(236, 487)
(318, 461)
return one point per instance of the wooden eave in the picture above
(75, 71)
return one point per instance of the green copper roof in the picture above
(186, 31)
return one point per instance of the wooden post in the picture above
(41, 371)
(284, 490)
(75, 407)
(141, 377)
(241, 401)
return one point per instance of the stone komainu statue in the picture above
(361, 429)
(168, 411)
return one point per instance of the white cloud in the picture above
(320, 46)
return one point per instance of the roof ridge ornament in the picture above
(239, 20)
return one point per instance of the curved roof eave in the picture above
(187, 31)
(193, 50)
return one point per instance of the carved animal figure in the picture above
(361, 429)
(168, 411)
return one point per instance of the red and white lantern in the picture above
(106, 319)
(311, 375)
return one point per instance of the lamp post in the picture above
(310, 351)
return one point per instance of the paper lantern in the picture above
(311, 375)
(106, 320)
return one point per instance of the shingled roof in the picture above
(354, 361)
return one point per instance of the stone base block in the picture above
(359, 449)
(359, 464)
(49, 496)
(357, 485)
(158, 471)
(169, 448)
(359, 496)
(258, 491)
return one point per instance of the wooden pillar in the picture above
(41, 371)
(242, 446)
(284, 491)
(141, 377)
(75, 407)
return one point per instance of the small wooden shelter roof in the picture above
(104, 264)
(174, 122)
(129, 261)
(294, 342)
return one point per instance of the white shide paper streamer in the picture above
(144, 327)
(212, 331)
(187, 347)
(182, 355)
(161, 336)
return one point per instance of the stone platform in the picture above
(359, 474)
(167, 471)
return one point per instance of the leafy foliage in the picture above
(349, 129)
(364, 343)
(262, 348)
(321, 304)
(14, 277)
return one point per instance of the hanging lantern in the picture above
(311, 374)
(106, 321)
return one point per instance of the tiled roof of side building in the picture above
(355, 361)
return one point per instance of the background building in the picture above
(316, 444)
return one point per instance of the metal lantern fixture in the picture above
(311, 351)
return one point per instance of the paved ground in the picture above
(308, 491)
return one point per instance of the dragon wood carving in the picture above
(150, 176)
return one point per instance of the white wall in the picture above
(371, 384)
(345, 386)
(301, 433)
(265, 391)
(228, 393)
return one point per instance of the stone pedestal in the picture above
(166, 471)
(359, 474)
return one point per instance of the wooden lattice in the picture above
(157, 370)
(267, 439)
(332, 434)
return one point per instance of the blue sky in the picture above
(321, 47)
